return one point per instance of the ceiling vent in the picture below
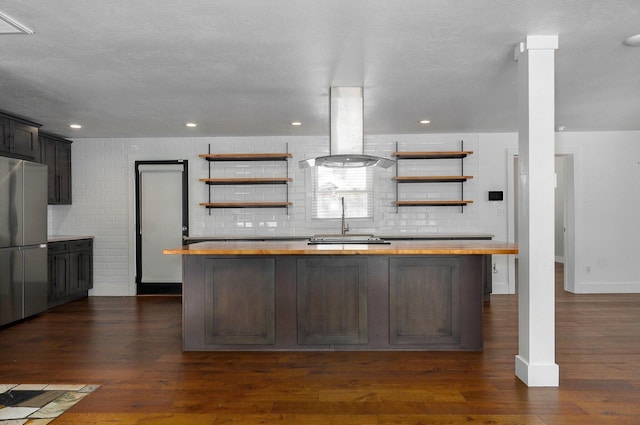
(346, 146)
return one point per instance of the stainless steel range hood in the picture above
(346, 148)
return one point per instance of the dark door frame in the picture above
(159, 288)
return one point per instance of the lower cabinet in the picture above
(332, 300)
(325, 302)
(424, 300)
(70, 270)
(239, 301)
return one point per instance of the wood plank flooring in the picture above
(131, 347)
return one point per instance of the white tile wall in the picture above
(103, 193)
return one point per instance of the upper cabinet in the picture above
(19, 138)
(56, 153)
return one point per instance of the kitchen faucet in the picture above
(345, 226)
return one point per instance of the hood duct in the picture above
(346, 147)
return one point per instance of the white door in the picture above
(161, 225)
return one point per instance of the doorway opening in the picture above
(161, 221)
(564, 216)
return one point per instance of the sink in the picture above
(346, 239)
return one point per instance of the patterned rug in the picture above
(38, 404)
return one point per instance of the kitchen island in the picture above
(289, 295)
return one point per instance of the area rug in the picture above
(38, 404)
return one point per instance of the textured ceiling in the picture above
(143, 68)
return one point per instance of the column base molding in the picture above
(537, 375)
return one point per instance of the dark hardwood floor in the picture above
(131, 347)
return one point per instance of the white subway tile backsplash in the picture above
(103, 198)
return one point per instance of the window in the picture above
(330, 185)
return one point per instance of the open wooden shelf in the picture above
(442, 203)
(432, 155)
(246, 204)
(432, 179)
(247, 180)
(460, 178)
(245, 156)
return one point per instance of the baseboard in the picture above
(608, 288)
(500, 288)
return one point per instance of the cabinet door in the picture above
(50, 160)
(57, 155)
(75, 272)
(332, 300)
(80, 271)
(64, 172)
(239, 301)
(5, 135)
(25, 140)
(424, 300)
(86, 282)
(58, 276)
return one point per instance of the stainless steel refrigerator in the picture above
(23, 239)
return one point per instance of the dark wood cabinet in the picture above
(56, 153)
(58, 261)
(240, 301)
(332, 300)
(19, 138)
(70, 270)
(424, 300)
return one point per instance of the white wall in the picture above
(607, 198)
(494, 156)
(607, 180)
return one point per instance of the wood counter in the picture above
(415, 247)
(288, 295)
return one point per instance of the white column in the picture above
(535, 362)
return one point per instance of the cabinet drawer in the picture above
(80, 245)
(57, 247)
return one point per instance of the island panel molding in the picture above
(424, 300)
(239, 300)
(332, 300)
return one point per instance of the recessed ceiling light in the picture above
(633, 41)
(191, 124)
(425, 122)
(296, 123)
(76, 126)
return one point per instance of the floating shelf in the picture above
(438, 203)
(461, 178)
(432, 155)
(432, 179)
(245, 156)
(246, 204)
(247, 181)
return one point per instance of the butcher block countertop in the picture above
(414, 247)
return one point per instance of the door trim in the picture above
(158, 288)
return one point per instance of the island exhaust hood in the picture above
(346, 147)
